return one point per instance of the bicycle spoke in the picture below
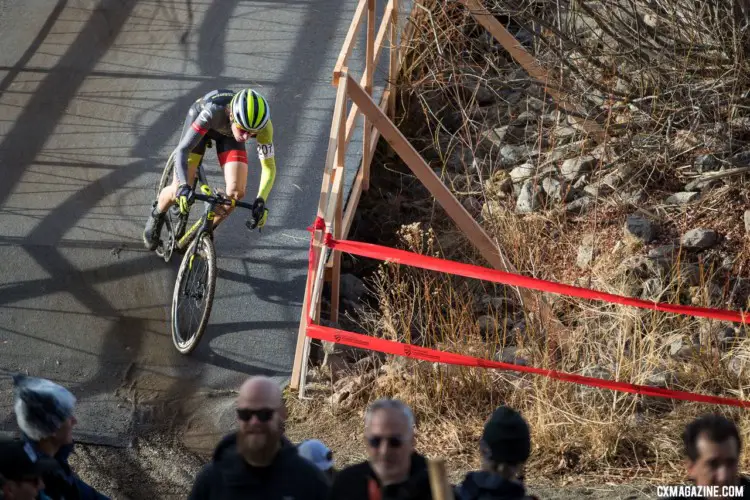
(193, 295)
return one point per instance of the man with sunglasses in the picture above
(230, 119)
(393, 470)
(258, 462)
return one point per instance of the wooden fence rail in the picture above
(378, 119)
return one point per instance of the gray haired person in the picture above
(394, 470)
(45, 413)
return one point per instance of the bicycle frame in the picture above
(205, 222)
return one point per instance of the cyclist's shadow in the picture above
(286, 293)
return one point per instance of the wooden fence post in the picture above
(369, 70)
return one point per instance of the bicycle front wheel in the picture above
(193, 294)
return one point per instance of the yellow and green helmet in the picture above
(250, 110)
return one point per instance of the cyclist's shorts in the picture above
(227, 148)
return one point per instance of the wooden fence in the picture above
(378, 121)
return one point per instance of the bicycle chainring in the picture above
(167, 240)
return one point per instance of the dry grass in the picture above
(667, 80)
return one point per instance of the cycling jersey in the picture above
(208, 119)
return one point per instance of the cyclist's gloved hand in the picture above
(185, 198)
(260, 214)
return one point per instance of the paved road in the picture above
(92, 97)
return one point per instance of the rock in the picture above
(485, 96)
(524, 118)
(702, 184)
(683, 198)
(598, 189)
(579, 206)
(555, 190)
(689, 274)
(641, 267)
(706, 163)
(747, 221)
(453, 120)
(565, 132)
(581, 182)
(535, 104)
(529, 199)
(595, 372)
(634, 198)
(682, 349)
(709, 295)
(661, 378)
(730, 336)
(513, 98)
(699, 239)
(491, 209)
(640, 228)
(472, 205)
(499, 304)
(370, 362)
(510, 355)
(736, 365)
(550, 119)
(352, 288)
(652, 289)
(741, 159)
(586, 252)
(508, 134)
(574, 167)
(500, 182)
(666, 252)
(510, 155)
(487, 325)
(522, 172)
(727, 262)
(685, 139)
(614, 179)
(346, 387)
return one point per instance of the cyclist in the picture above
(229, 119)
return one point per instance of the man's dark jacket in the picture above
(352, 483)
(228, 476)
(481, 485)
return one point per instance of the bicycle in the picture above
(192, 284)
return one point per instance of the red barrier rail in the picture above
(483, 273)
(410, 351)
(471, 271)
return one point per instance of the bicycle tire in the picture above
(180, 221)
(166, 175)
(206, 245)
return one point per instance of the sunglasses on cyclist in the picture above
(251, 132)
(263, 415)
(393, 441)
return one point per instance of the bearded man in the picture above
(257, 461)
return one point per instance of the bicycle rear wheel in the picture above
(179, 221)
(193, 294)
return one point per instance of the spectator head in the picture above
(712, 449)
(261, 415)
(389, 431)
(505, 443)
(44, 410)
(317, 453)
(21, 471)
